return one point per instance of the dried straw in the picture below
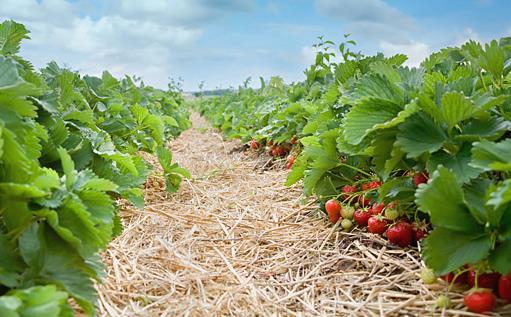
(235, 242)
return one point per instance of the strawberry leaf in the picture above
(446, 250)
(420, 134)
(443, 199)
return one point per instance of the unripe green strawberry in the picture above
(347, 212)
(346, 224)
(391, 213)
(428, 276)
(443, 301)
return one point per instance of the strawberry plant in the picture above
(68, 149)
(427, 145)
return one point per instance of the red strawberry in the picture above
(505, 287)
(484, 280)
(254, 145)
(376, 208)
(480, 301)
(291, 159)
(377, 224)
(289, 165)
(361, 217)
(374, 184)
(333, 209)
(461, 279)
(364, 186)
(270, 143)
(420, 178)
(420, 230)
(348, 190)
(400, 234)
(419, 234)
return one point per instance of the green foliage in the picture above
(368, 117)
(69, 147)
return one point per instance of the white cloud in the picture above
(146, 38)
(416, 51)
(308, 55)
(361, 11)
(181, 12)
(468, 34)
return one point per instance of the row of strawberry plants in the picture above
(444, 126)
(69, 148)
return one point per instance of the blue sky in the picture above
(222, 42)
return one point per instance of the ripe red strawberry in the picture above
(278, 151)
(505, 287)
(462, 279)
(420, 230)
(374, 184)
(364, 186)
(348, 190)
(291, 159)
(400, 234)
(361, 217)
(333, 209)
(377, 224)
(480, 301)
(376, 208)
(420, 178)
(419, 234)
(484, 280)
(254, 145)
(289, 165)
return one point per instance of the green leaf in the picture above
(11, 35)
(501, 195)
(500, 258)
(492, 59)
(56, 262)
(474, 194)
(459, 163)
(455, 108)
(492, 156)
(490, 129)
(11, 264)
(367, 116)
(298, 170)
(165, 158)
(68, 166)
(9, 306)
(40, 301)
(14, 90)
(443, 199)
(420, 134)
(134, 196)
(445, 251)
(373, 86)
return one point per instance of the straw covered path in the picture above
(235, 242)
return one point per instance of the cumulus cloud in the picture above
(180, 12)
(370, 20)
(416, 51)
(147, 38)
(375, 12)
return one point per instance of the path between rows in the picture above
(235, 242)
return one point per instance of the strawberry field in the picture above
(421, 156)
(415, 160)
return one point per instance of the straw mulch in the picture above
(235, 242)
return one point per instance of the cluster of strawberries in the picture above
(379, 218)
